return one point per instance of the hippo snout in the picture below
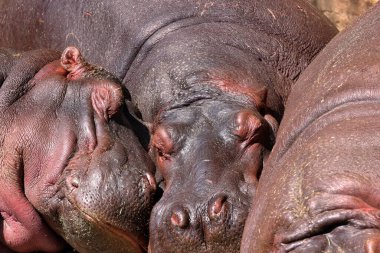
(217, 211)
(112, 199)
(209, 224)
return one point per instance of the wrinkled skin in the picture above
(320, 191)
(209, 78)
(69, 159)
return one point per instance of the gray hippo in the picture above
(210, 79)
(70, 165)
(212, 88)
(320, 189)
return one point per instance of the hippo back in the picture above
(113, 32)
(320, 189)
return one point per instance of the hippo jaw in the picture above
(127, 242)
(123, 234)
(110, 235)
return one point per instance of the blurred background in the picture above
(343, 12)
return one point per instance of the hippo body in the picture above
(210, 80)
(124, 30)
(320, 189)
(70, 164)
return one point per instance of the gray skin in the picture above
(209, 78)
(70, 164)
(320, 189)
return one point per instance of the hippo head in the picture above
(210, 154)
(84, 169)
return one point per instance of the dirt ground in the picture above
(343, 12)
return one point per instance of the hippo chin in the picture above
(320, 190)
(68, 155)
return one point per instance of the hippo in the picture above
(208, 78)
(212, 90)
(320, 188)
(70, 165)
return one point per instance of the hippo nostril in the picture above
(217, 206)
(180, 218)
(73, 181)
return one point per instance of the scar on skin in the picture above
(271, 12)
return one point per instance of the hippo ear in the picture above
(253, 128)
(249, 126)
(106, 100)
(71, 59)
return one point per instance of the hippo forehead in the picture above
(218, 114)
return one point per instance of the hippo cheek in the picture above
(109, 210)
(198, 225)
